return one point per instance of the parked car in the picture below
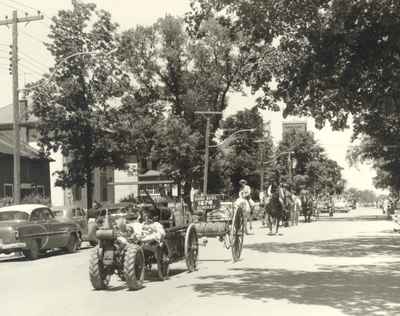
(33, 229)
(341, 206)
(79, 216)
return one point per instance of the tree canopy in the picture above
(311, 168)
(242, 156)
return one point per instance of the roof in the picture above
(6, 115)
(7, 147)
(27, 208)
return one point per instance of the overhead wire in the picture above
(7, 5)
(25, 62)
(33, 69)
(33, 60)
(23, 5)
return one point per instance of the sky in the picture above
(34, 61)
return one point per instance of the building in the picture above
(30, 169)
(35, 170)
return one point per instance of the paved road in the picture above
(339, 266)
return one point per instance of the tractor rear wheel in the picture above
(134, 267)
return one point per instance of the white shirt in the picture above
(245, 192)
(145, 232)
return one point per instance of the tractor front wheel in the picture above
(134, 267)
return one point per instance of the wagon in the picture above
(221, 220)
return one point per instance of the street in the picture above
(345, 265)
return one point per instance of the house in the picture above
(59, 197)
(35, 170)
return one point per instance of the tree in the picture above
(175, 148)
(73, 103)
(242, 158)
(312, 170)
(384, 159)
(181, 75)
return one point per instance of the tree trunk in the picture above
(89, 190)
(186, 194)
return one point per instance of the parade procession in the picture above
(199, 157)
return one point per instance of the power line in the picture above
(7, 5)
(26, 62)
(32, 37)
(24, 5)
(33, 60)
(37, 71)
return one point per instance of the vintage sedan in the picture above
(33, 229)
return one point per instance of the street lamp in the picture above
(206, 156)
(230, 136)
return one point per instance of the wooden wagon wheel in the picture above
(191, 248)
(237, 233)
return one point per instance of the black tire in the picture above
(191, 248)
(33, 252)
(163, 262)
(134, 267)
(237, 234)
(73, 244)
(98, 277)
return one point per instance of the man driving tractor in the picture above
(144, 228)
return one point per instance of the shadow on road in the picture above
(369, 290)
(357, 290)
(345, 247)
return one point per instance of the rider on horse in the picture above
(245, 195)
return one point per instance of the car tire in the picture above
(73, 244)
(33, 252)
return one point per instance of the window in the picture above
(8, 190)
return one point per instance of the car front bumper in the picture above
(8, 248)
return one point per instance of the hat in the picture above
(242, 181)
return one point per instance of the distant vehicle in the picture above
(341, 206)
(322, 207)
(33, 229)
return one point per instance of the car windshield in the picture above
(13, 215)
(58, 213)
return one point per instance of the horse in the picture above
(307, 206)
(274, 209)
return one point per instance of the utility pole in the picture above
(261, 143)
(16, 119)
(207, 115)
